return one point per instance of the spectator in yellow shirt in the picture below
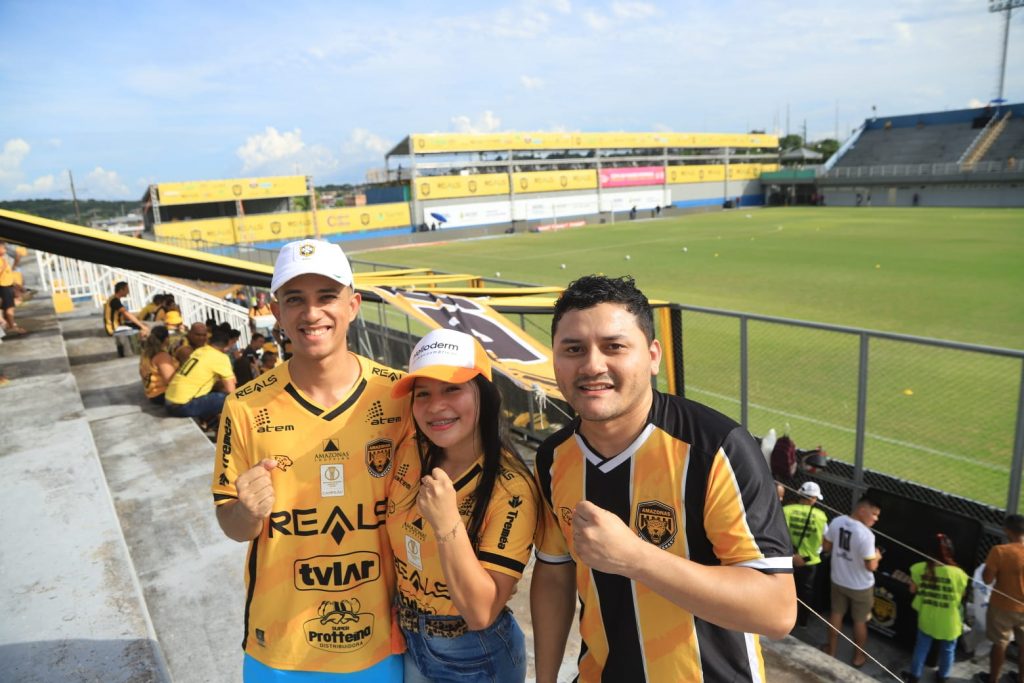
(203, 381)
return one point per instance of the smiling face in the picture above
(449, 415)
(315, 312)
(604, 364)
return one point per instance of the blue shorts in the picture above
(497, 654)
(387, 671)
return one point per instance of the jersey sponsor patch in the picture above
(335, 573)
(332, 480)
(412, 552)
(339, 626)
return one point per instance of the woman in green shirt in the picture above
(938, 589)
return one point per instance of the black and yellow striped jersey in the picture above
(113, 314)
(695, 484)
(320, 576)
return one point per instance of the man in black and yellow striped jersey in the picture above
(117, 315)
(661, 514)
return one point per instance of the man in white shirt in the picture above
(854, 560)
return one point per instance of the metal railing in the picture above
(95, 282)
(951, 168)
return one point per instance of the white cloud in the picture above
(633, 10)
(285, 153)
(14, 152)
(531, 82)
(364, 144)
(525, 21)
(975, 103)
(596, 21)
(561, 6)
(40, 186)
(103, 184)
(486, 123)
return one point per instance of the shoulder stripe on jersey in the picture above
(348, 402)
(501, 561)
(251, 588)
(468, 477)
(770, 564)
(294, 393)
(546, 456)
(552, 559)
(610, 464)
(222, 497)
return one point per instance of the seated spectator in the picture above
(156, 365)
(167, 305)
(148, 312)
(203, 381)
(233, 337)
(196, 338)
(174, 324)
(247, 364)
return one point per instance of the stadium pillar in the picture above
(1017, 464)
(862, 405)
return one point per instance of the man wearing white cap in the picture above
(305, 453)
(807, 525)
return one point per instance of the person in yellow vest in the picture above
(305, 454)
(156, 366)
(116, 314)
(203, 381)
(463, 510)
(7, 293)
(938, 585)
(807, 525)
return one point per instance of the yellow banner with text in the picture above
(448, 186)
(200, 191)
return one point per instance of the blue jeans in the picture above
(204, 407)
(387, 671)
(921, 647)
(497, 654)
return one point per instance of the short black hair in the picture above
(1014, 523)
(591, 290)
(233, 333)
(219, 337)
(869, 501)
(120, 285)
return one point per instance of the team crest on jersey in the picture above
(656, 523)
(566, 515)
(283, 462)
(339, 626)
(379, 457)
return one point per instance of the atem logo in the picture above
(256, 386)
(263, 425)
(376, 415)
(336, 573)
(337, 523)
(506, 528)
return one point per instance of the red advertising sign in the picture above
(629, 177)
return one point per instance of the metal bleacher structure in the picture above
(967, 157)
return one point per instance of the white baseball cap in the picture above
(311, 257)
(810, 490)
(447, 355)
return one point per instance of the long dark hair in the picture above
(498, 451)
(155, 342)
(943, 550)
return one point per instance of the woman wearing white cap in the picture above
(462, 512)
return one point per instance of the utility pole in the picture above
(74, 197)
(1007, 7)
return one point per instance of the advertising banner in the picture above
(273, 226)
(356, 218)
(694, 174)
(465, 215)
(435, 143)
(627, 200)
(199, 191)
(448, 186)
(553, 208)
(514, 353)
(213, 230)
(628, 177)
(554, 181)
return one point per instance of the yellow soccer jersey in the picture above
(506, 535)
(198, 374)
(319, 577)
(693, 483)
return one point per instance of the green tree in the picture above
(791, 141)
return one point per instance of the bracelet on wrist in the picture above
(444, 538)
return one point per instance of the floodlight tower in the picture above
(1007, 7)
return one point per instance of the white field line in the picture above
(877, 437)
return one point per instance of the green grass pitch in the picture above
(939, 417)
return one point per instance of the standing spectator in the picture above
(807, 525)
(261, 318)
(7, 293)
(301, 475)
(1005, 566)
(658, 512)
(247, 364)
(854, 561)
(476, 533)
(156, 365)
(938, 588)
(196, 338)
(203, 381)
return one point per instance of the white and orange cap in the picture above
(315, 257)
(446, 355)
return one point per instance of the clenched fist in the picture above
(602, 541)
(256, 489)
(437, 501)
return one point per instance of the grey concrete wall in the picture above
(1005, 195)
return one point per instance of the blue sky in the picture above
(129, 93)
